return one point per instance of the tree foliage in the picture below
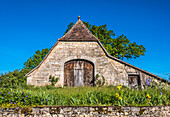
(33, 61)
(119, 47)
(13, 79)
(17, 77)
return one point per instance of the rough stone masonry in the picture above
(87, 111)
(79, 56)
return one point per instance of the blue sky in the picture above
(30, 25)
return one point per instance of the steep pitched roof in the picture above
(79, 32)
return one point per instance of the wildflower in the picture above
(18, 96)
(148, 96)
(149, 84)
(149, 100)
(146, 80)
(2, 97)
(30, 94)
(11, 102)
(26, 96)
(41, 99)
(8, 92)
(120, 84)
(149, 79)
(14, 102)
(119, 87)
(120, 98)
(46, 100)
(160, 93)
(117, 95)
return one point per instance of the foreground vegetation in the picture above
(83, 96)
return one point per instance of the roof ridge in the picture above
(71, 28)
(79, 32)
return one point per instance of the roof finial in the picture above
(79, 17)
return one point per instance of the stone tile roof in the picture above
(79, 32)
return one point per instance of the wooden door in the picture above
(78, 73)
(133, 81)
(88, 74)
(69, 74)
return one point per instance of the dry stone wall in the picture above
(98, 111)
(113, 71)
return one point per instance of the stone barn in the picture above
(76, 59)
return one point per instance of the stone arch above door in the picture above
(78, 72)
(61, 64)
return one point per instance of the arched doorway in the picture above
(78, 73)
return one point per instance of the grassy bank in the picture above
(84, 96)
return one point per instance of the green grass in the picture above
(83, 96)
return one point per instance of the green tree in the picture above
(33, 61)
(13, 79)
(119, 47)
(17, 77)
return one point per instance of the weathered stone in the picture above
(109, 108)
(91, 108)
(67, 109)
(136, 109)
(133, 112)
(60, 115)
(126, 113)
(81, 115)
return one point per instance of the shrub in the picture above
(99, 81)
(53, 80)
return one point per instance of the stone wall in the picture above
(98, 111)
(113, 71)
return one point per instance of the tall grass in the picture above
(84, 96)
